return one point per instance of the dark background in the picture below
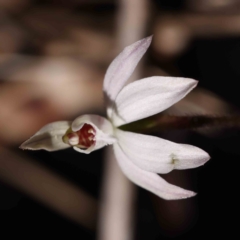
(214, 61)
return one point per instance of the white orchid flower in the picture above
(139, 156)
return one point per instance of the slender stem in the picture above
(164, 122)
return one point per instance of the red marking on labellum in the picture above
(83, 138)
(86, 136)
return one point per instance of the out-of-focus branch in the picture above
(214, 5)
(162, 122)
(173, 32)
(116, 213)
(117, 208)
(47, 188)
(131, 20)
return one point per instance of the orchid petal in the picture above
(149, 96)
(150, 181)
(159, 155)
(123, 66)
(103, 128)
(48, 138)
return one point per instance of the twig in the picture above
(116, 214)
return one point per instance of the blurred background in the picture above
(53, 56)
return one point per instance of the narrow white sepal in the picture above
(150, 181)
(103, 131)
(123, 66)
(158, 155)
(149, 96)
(48, 138)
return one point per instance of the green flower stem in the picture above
(162, 122)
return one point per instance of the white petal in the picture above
(95, 120)
(123, 66)
(104, 131)
(149, 96)
(159, 155)
(49, 137)
(150, 181)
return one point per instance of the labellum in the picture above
(83, 138)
